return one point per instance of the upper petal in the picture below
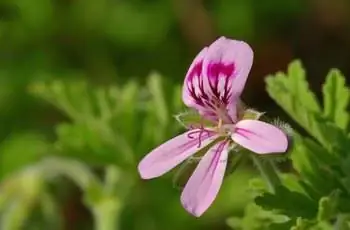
(216, 78)
(191, 91)
(205, 182)
(226, 66)
(171, 153)
(260, 137)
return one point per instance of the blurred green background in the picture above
(98, 82)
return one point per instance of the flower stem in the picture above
(269, 173)
(106, 214)
(342, 220)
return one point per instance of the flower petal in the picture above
(227, 64)
(260, 137)
(216, 79)
(191, 93)
(205, 182)
(173, 152)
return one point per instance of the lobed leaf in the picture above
(336, 99)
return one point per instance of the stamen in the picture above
(220, 123)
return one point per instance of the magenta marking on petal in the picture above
(196, 71)
(216, 159)
(215, 69)
(204, 184)
(219, 70)
(244, 132)
(260, 137)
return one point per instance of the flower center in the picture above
(223, 129)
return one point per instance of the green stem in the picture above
(269, 172)
(106, 214)
(341, 222)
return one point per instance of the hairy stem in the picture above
(269, 172)
(106, 214)
(342, 222)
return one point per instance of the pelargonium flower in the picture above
(212, 87)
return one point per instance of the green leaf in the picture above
(336, 99)
(155, 87)
(234, 222)
(282, 226)
(101, 117)
(304, 224)
(295, 84)
(292, 94)
(327, 208)
(255, 218)
(292, 204)
(307, 159)
(95, 144)
(126, 108)
(20, 150)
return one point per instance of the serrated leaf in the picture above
(304, 224)
(155, 87)
(292, 204)
(96, 145)
(291, 182)
(255, 218)
(307, 160)
(294, 83)
(336, 99)
(126, 108)
(292, 94)
(327, 206)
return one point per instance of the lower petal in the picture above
(205, 182)
(173, 152)
(260, 137)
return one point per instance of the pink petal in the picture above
(216, 79)
(190, 91)
(173, 152)
(205, 182)
(226, 67)
(228, 60)
(260, 137)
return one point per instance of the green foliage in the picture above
(110, 128)
(319, 196)
(255, 218)
(292, 204)
(290, 91)
(107, 124)
(336, 99)
(26, 190)
(19, 150)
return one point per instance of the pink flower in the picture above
(213, 85)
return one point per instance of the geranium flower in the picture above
(212, 87)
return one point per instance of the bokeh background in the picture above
(146, 46)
